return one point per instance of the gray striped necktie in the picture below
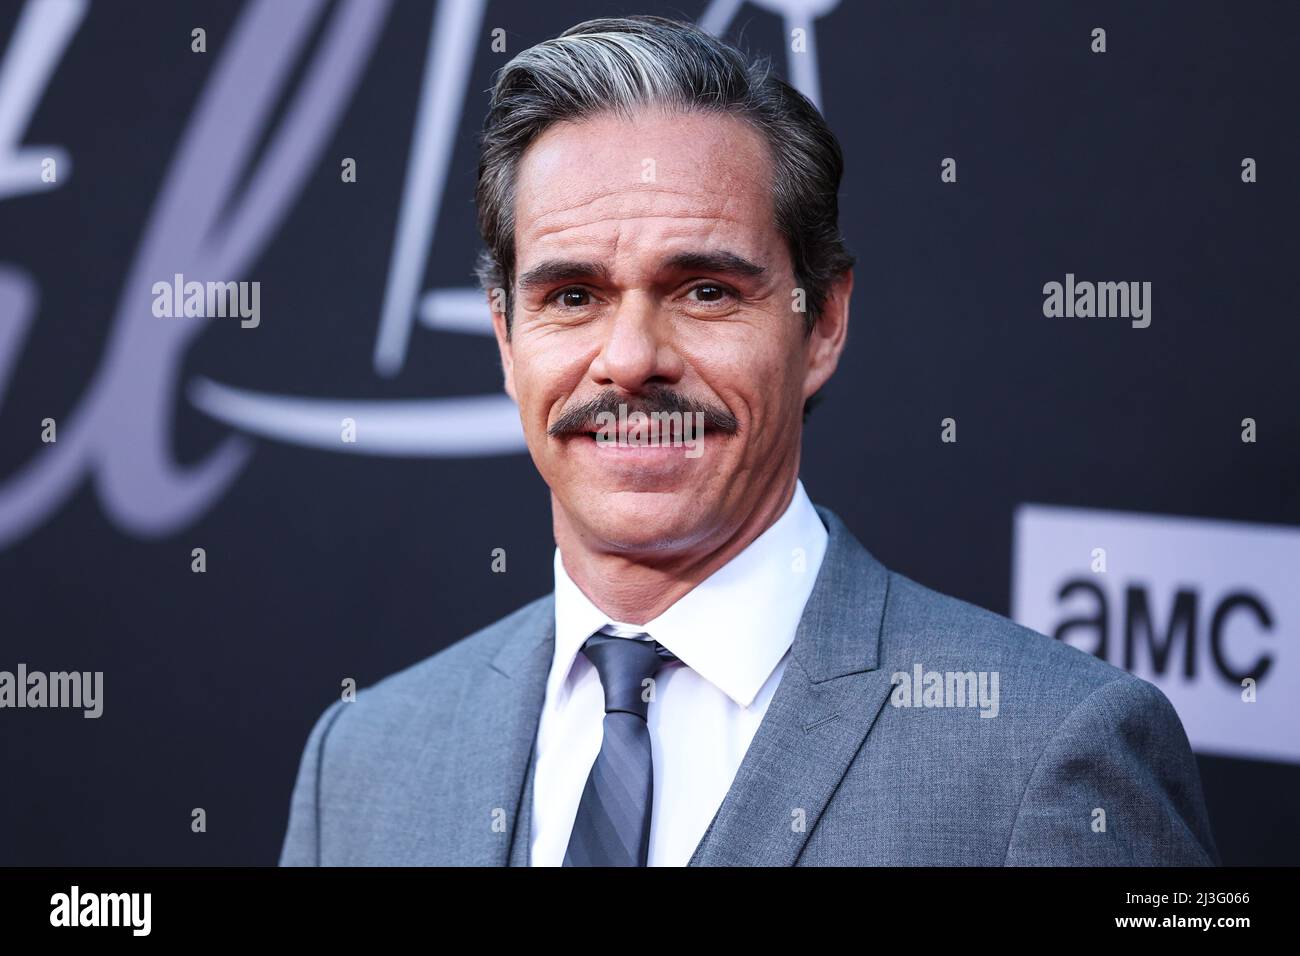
(613, 823)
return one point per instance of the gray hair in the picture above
(623, 64)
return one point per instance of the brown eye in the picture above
(710, 293)
(572, 298)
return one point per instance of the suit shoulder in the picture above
(463, 655)
(428, 691)
(943, 632)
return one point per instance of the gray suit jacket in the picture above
(1083, 764)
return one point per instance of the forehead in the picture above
(618, 190)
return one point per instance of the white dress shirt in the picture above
(732, 634)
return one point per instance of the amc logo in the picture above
(1171, 649)
(1206, 610)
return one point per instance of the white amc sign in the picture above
(1208, 611)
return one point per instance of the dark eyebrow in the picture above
(572, 270)
(561, 270)
(721, 262)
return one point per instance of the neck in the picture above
(635, 589)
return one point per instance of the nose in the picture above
(637, 350)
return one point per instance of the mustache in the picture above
(581, 418)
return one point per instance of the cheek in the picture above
(752, 371)
(545, 376)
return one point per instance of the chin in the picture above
(647, 522)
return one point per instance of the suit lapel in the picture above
(521, 841)
(493, 752)
(828, 699)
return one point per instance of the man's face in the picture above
(648, 262)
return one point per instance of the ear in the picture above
(497, 301)
(826, 342)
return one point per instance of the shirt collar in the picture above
(735, 626)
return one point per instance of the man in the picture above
(723, 674)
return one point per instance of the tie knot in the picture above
(624, 665)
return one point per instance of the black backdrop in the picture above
(324, 565)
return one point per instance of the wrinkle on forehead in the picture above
(690, 224)
(587, 176)
(625, 191)
(609, 238)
